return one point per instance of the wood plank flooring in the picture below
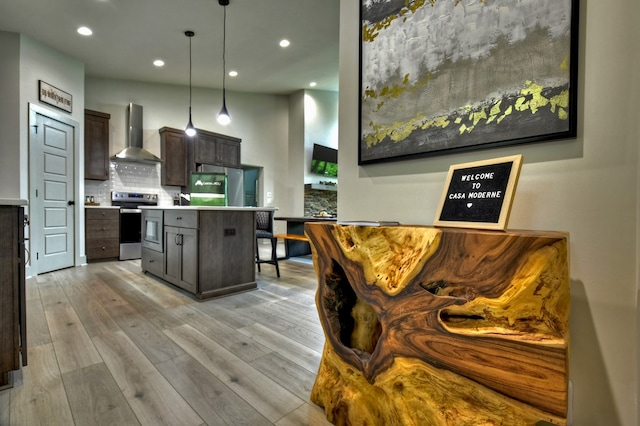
(109, 345)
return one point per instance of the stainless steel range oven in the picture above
(131, 220)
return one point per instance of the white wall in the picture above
(10, 115)
(295, 156)
(588, 186)
(259, 120)
(320, 126)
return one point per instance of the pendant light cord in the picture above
(224, 51)
(190, 37)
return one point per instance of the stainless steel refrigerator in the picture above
(235, 182)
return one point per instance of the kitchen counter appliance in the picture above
(131, 220)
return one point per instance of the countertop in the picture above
(13, 202)
(306, 219)
(207, 208)
(101, 207)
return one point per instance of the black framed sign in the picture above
(441, 75)
(479, 194)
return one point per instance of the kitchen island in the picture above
(207, 251)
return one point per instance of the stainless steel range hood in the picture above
(134, 151)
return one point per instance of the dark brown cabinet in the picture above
(102, 230)
(13, 322)
(215, 149)
(206, 252)
(96, 145)
(181, 154)
(175, 158)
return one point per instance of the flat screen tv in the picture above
(324, 161)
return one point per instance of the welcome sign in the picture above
(479, 194)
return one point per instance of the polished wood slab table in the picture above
(440, 326)
(295, 226)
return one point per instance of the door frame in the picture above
(78, 191)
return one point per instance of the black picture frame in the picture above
(447, 76)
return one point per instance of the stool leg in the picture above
(257, 256)
(274, 255)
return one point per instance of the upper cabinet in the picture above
(181, 154)
(96, 145)
(216, 149)
(174, 152)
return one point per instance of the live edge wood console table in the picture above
(435, 326)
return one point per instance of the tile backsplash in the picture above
(130, 177)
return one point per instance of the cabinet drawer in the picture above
(102, 229)
(97, 214)
(152, 261)
(181, 218)
(103, 248)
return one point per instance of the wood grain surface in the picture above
(109, 345)
(482, 316)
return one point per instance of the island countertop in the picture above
(13, 202)
(308, 219)
(220, 208)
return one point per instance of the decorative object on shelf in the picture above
(223, 117)
(442, 76)
(190, 130)
(479, 194)
(443, 326)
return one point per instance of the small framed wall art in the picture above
(479, 194)
(55, 97)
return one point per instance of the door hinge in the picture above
(36, 127)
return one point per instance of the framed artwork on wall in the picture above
(438, 76)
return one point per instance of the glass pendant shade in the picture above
(223, 116)
(190, 130)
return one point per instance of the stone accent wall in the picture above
(317, 200)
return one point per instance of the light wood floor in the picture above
(109, 345)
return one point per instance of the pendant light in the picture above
(223, 117)
(190, 130)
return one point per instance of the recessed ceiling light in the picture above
(158, 63)
(313, 84)
(233, 73)
(85, 31)
(284, 43)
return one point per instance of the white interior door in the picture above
(51, 202)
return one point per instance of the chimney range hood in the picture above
(134, 151)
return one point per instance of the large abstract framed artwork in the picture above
(449, 75)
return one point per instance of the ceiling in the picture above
(128, 35)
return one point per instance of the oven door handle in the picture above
(130, 211)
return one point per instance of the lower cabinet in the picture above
(181, 251)
(13, 318)
(152, 261)
(102, 233)
(207, 252)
